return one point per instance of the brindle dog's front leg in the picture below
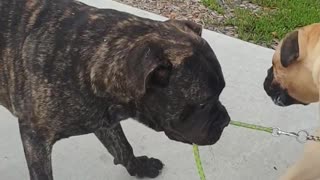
(37, 148)
(117, 144)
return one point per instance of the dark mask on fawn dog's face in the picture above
(293, 75)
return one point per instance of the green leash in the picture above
(252, 126)
(198, 162)
(301, 136)
(235, 123)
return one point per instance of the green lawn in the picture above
(276, 18)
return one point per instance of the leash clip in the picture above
(302, 136)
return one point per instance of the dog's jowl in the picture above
(68, 69)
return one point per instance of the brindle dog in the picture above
(68, 69)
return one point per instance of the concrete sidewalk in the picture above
(240, 155)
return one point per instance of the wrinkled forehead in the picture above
(309, 43)
(177, 55)
(178, 51)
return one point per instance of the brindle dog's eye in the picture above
(187, 111)
(161, 76)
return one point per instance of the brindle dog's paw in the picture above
(145, 167)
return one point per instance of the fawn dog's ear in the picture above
(289, 51)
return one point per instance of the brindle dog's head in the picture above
(175, 80)
(294, 75)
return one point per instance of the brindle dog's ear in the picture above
(186, 26)
(147, 67)
(128, 77)
(289, 51)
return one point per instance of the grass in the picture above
(276, 18)
(212, 4)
